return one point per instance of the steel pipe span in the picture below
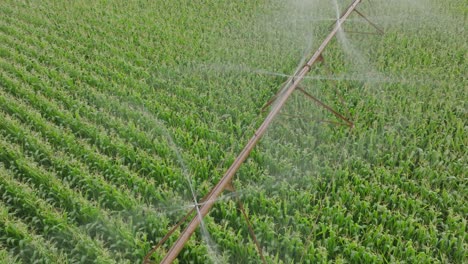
(225, 181)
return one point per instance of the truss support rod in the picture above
(341, 15)
(146, 260)
(249, 224)
(313, 98)
(370, 22)
(227, 178)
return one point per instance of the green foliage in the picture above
(108, 109)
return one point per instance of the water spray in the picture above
(276, 103)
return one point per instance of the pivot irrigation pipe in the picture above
(225, 181)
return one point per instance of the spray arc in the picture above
(277, 103)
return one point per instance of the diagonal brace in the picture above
(313, 98)
(241, 208)
(288, 89)
(370, 22)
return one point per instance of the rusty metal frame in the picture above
(279, 101)
(328, 108)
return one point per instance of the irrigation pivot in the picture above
(226, 181)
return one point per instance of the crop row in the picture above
(210, 151)
(24, 113)
(198, 165)
(91, 185)
(128, 128)
(370, 153)
(89, 100)
(361, 204)
(22, 243)
(139, 136)
(148, 224)
(23, 203)
(65, 141)
(92, 75)
(118, 235)
(135, 159)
